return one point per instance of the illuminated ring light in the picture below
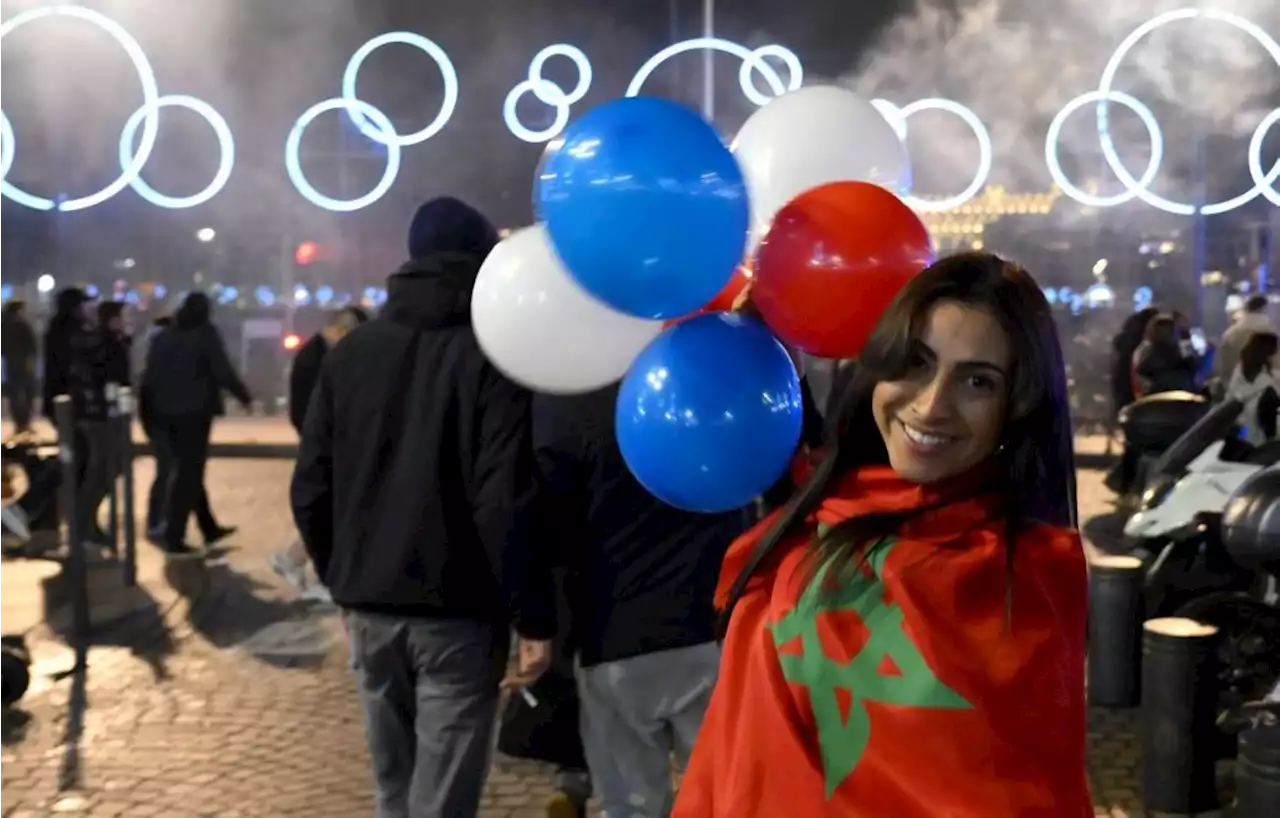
(548, 93)
(6, 145)
(1132, 191)
(150, 121)
(897, 118)
(293, 164)
(751, 61)
(226, 151)
(360, 116)
(1261, 182)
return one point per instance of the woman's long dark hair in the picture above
(194, 312)
(1256, 354)
(1036, 451)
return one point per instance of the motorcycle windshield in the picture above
(1218, 423)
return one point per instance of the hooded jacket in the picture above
(187, 366)
(74, 360)
(414, 481)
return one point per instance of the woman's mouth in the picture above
(922, 442)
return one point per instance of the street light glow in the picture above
(206, 234)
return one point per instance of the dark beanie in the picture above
(447, 225)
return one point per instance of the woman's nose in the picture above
(934, 401)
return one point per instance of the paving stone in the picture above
(203, 720)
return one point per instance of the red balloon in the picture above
(724, 301)
(832, 261)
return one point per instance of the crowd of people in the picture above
(87, 354)
(914, 586)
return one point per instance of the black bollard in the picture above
(1258, 773)
(1115, 631)
(1179, 701)
(129, 565)
(112, 393)
(69, 505)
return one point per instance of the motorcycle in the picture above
(1198, 473)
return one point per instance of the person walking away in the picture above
(186, 372)
(1251, 383)
(1253, 318)
(412, 489)
(291, 563)
(74, 365)
(1162, 362)
(641, 600)
(891, 628)
(20, 348)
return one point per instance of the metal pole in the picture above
(708, 61)
(112, 393)
(1115, 631)
(69, 506)
(129, 566)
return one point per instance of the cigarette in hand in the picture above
(528, 697)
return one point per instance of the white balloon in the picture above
(811, 137)
(539, 327)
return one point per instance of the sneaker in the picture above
(181, 551)
(288, 570)
(316, 592)
(563, 805)
(219, 534)
(16, 523)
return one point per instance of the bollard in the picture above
(112, 393)
(1258, 773)
(1178, 731)
(1115, 631)
(128, 566)
(68, 502)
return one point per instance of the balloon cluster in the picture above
(651, 230)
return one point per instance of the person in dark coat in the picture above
(1163, 362)
(411, 492)
(1125, 343)
(75, 365)
(291, 563)
(116, 344)
(19, 347)
(186, 371)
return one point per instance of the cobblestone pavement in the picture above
(201, 719)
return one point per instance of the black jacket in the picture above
(75, 365)
(1162, 367)
(644, 573)
(303, 376)
(414, 475)
(18, 343)
(187, 368)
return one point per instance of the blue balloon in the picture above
(709, 415)
(646, 207)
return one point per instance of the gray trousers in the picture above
(637, 714)
(429, 690)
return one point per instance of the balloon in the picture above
(539, 327)
(709, 415)
(811, 137)
(723, 302)
(832, 262)
(646, 206)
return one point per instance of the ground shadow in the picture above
(14, 723)
(233, 613)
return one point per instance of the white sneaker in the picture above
(15, 522)
(317, 593)
(288, 570)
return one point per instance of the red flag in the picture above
(930, 681)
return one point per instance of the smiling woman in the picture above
(890, 628)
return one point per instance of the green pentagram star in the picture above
(842, 743)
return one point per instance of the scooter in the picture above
(1197, 474)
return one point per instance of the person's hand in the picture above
(533, 659)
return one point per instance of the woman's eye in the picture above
(983, 383)
(917, 362)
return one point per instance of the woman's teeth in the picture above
(917, 436)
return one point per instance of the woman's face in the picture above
(946, 414)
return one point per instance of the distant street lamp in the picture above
(206, 234)
(45, 283)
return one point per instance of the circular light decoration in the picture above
(150, 120)
(387, 135)
(226, 152)
(897, 118)
(293, 164)
(1138, 188)
(752, 60)
(548, 92)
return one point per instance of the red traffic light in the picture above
(292, 341)
(306, 253)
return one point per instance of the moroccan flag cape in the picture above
(934, 682)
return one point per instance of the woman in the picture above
(187, 368)
(1163, 362)
(906, 637)
(1250, 383)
